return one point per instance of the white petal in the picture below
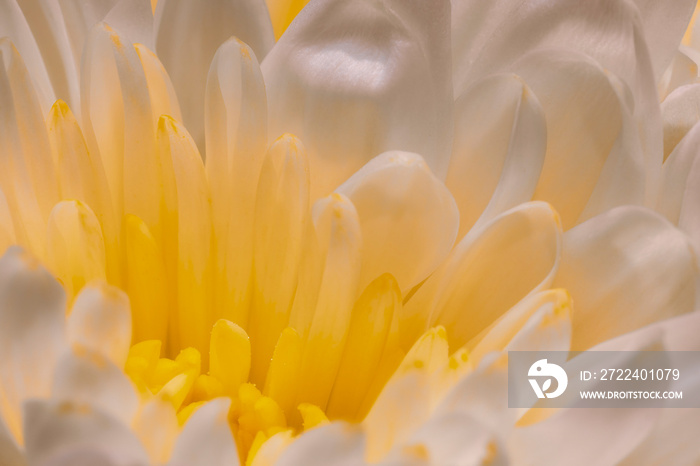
(584, 436)
(682, 70)
(56, 433)
(119, 125)
(676, 173)
(270, 451)
(679, 113)
(337, 443)
(488, 272)
(46, 23)
(508, 328)
(400, 409)
(586, 122)
(189, 33)
(489, 37)
(625, 269)
(394, 194)
(100, 321)
(482, 394)
(664, 26)
(206, 439)
(457, 438)
(353, 80)
(236, 141)
(499, 148)
(32, 320)
(134, 19)
(27, 172)
(157, 426)
(672, 441)
(89, 378)
(14, 26)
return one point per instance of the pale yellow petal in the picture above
(75, 246)
(369, 329)
(280, 219)
(324, 326)
(487, 273)
(236, 140)
(194, 265)
(145, 282)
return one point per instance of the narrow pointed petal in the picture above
(324, 325)
(146, 282)
(160, 89)
(81, 176)
(206, 439)
(194, 265)
(350, 92)
(75, 246)
(118, 124)
(14, 26)
(27, 172)
(134, 18)
(521, 247)
(187, 37)
(369, 329)
(63, 431)
(100, 322)
(498, 151)
(236, 141)
(32, 326)
(282, 382)
(625, 269)
(281, 213)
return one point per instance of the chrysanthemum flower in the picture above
(231, 239)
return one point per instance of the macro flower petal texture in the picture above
(309, 232)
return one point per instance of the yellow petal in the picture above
(194, 265)
(160, 89)
(145, 282)
(324, 326)
(282, 12)
(236, 139)
(81, 177)
(229, 353)
(369, 328)
(75, 246)
(282, 382)
(280, 217)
